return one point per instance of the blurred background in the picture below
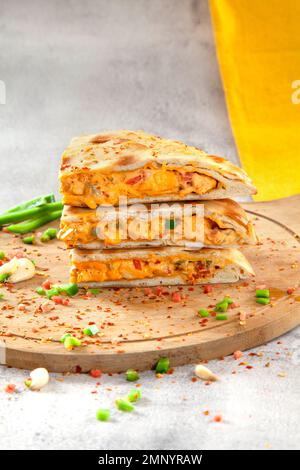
(74, 67)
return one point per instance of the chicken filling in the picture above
(190, 270)
(92, 189)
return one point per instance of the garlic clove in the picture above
(10, 267)
(39, 378)
(25, 270)
(205, 374)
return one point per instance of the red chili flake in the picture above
(95, 373)
(65, 302)
(233, 305)
(218, 419)
(135, 179)
(78, 369)
(1, 262)
(176, 297)
(194, 379)
(137, 264)
(207, 289)
(46, 285)
(237, 354)
(261, 287)
(249, 367)
(158, 290)
(10, 388)
(57, 300)
(290, 290)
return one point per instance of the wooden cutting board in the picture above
(135, 329)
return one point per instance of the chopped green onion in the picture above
(124, 405)
(2, 255)
(221, 316)
(134, 395)
(40, 291)
(163, 365)
(66, 335)
(262, 300)
(71, 342)
(28, 383)
(57, 289)
(264, 293)
(52, 292)
(103, 414)
(69, 289)
(132, 375)
(29, 214)
(49, 234)
(94, 291)
(33, 224)
(36, 202)
(28, 240)
(221, 306)
(4, 277)
(203, 312)
(91, 330)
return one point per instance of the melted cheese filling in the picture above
(93, 188)
(189, 269)
(89, 230)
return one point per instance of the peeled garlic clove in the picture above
(205, 374)
(39, 378)
(25, 270)
(10, 267)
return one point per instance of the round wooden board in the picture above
(135, 329)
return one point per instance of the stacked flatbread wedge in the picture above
(141, 210)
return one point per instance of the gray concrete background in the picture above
(77, 67)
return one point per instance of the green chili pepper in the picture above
(163, 365)
(2, 255)
(103, 414)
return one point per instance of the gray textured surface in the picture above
(74, 67)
